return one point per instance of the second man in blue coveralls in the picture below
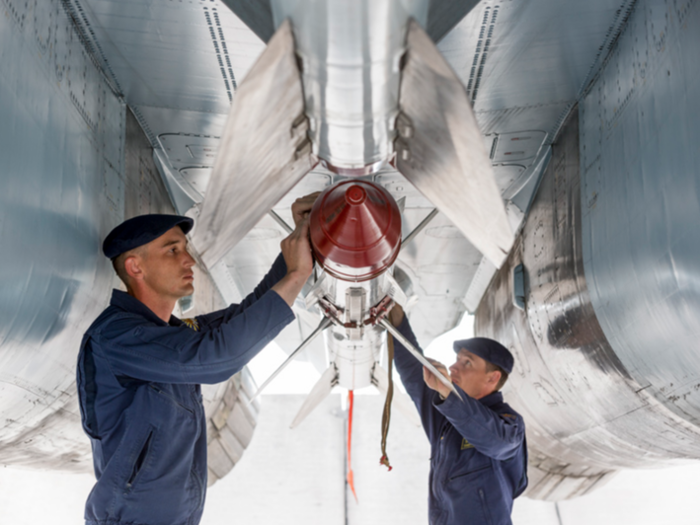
(478, 461)
(139, 368)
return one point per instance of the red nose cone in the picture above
(355, 230)
(355, 195)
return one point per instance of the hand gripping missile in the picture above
(399, 336)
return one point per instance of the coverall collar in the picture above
(492, 399)
(131, 304)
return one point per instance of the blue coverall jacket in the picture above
(478, 461)
(141, 405)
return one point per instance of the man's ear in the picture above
(132, 265)
(495, 377)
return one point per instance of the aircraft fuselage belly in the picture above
(606, 372)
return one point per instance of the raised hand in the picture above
(302, 206)
(296, 250)
(433, 382)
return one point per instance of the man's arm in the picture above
(214, 319)
(296, 250)
(289, 272)
(151, 352)
(495, 435)
(169, 354)
(411, 372)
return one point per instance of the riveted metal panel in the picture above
(62, 145)
(641, 201)
(587, 411)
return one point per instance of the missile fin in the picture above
(318, 393)
(440, 149)
(264, 150)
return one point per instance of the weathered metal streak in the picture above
(586, 413)
(440, 150)
(75, 164)
(641, 202)
(62, 145)
(255, 169)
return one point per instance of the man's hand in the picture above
(302, 206)
(433, 382)
(296, 250)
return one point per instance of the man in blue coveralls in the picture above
(139, 368)
(478, 461)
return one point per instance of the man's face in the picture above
(167, 266)
(469, 372)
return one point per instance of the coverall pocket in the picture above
(485, 507)
(141, 459)
(170, 398)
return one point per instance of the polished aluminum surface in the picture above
(440, 149)
(62, 135)
(641, 202)
(254, 170)
(524, 64)
(586, 412)
(325, 323)
(75, 164)
(496, 46)
(353, 351)
(350, 52)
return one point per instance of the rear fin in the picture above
(264, 151)
(440, 149)
(325, 323)
(318, 393)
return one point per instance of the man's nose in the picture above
(189, 261)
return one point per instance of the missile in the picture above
(355, 232)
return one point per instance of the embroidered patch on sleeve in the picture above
(192, 323)
(466, 444)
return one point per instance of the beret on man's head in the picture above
(141, 230)
(489, 350)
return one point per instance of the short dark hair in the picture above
(490, 367)
(120, 268)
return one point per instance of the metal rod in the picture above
(416, 353)
(325, 323)
(286, 227)
(419, 228)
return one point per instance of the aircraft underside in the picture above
(566, 130)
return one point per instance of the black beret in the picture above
(141, 230)
(489, 350)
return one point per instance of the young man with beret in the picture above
(140, 367)
(478, 461)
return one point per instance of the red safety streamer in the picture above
(350, 479)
